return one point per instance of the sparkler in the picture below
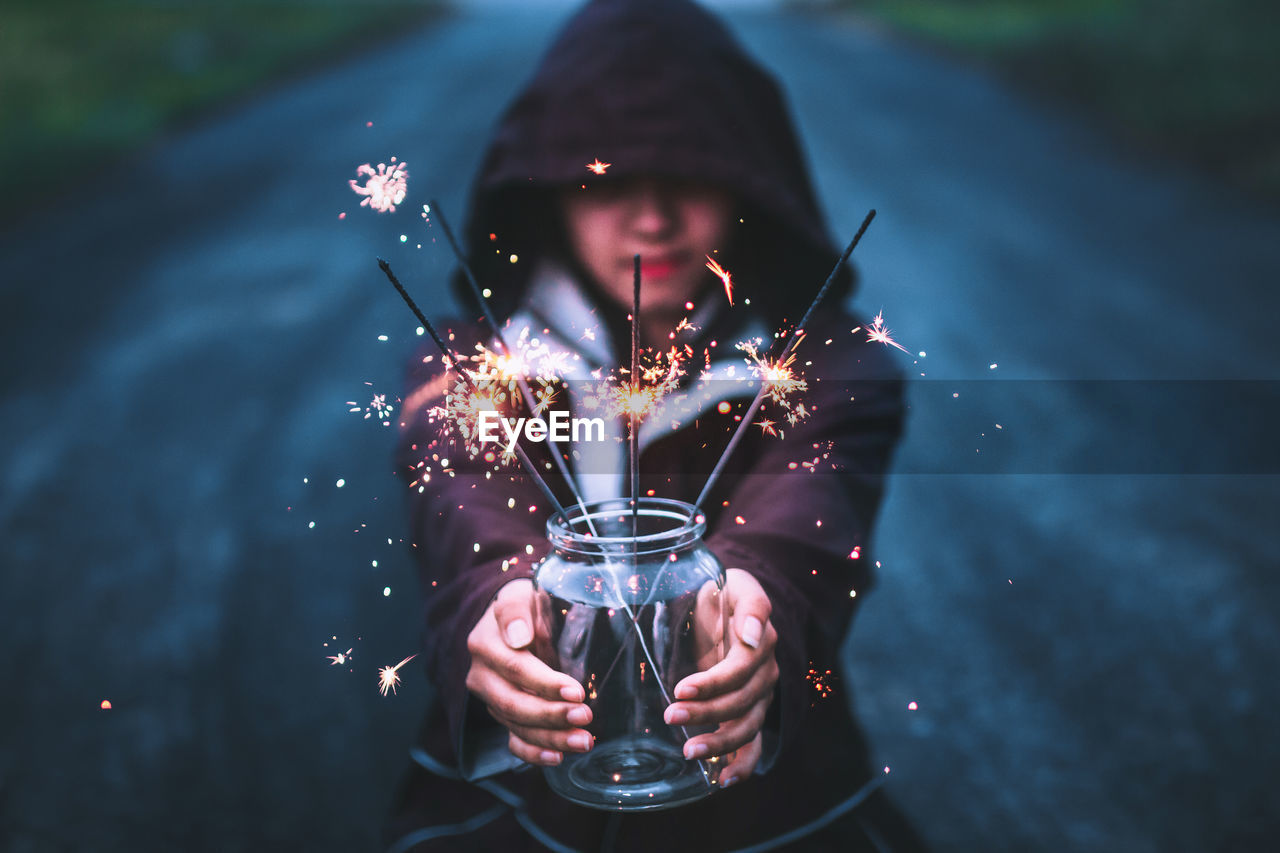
(635, 370)
(525, 392)
(529, 467)
(786, 352)
(389, 676)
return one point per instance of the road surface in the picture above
(1092, 654)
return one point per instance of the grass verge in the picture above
(1190, 79)
(87, 82)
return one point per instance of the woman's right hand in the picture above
(542, 709)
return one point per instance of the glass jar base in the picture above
(633, 773)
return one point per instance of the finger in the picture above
(521, 707)
(743, 763)
(731, 673)
(530, 673)
(522, 668)
(554, 740)
(532, 754)
(729, 736)
(513, 608)
(750, 606)
(726, 706)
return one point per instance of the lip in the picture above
(662, 266)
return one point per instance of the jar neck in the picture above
(655, 526)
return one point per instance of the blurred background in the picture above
(1078, 239)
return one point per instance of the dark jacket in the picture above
(659, 87)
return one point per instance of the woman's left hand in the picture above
(735, 693)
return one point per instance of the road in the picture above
(1092, 650)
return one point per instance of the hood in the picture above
(655, 88)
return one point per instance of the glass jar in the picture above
(629, 604)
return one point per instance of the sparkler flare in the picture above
(725, 276)
(780, 382)
(340, 658)
(597, 167)
(736, 438)
(385, 186)
(389, 677)
(879, 334)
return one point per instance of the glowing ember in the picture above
(106, 705)
(598, 167)
(725, 276)
(821, 680)
(388, 676)
(385, 186)
(340, 658)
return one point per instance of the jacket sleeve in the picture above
(472, 533)
(798, 518)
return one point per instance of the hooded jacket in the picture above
(654, 88)
(659, 87)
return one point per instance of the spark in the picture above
(879, 334)
(781, 384)
(598, 167)
(384, 187)
(766, 427)
(340, 658)
(388, 676)
(725, 276)
(821, 680)
(105, 705)
(377, 406)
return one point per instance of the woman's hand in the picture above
(541, 708)
(736, 692)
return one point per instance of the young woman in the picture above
(692, 156)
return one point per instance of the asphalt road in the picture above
(1092, 650)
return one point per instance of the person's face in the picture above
(672, 225)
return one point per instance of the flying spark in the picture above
(388, 676)
(340, 658)
(598, 167)
(725, 276)
(879, 334)
(385, 186)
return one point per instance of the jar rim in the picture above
(562, 533)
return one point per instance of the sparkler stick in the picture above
(796, 336)
(635, 370)
(525, 391)
(529, 467)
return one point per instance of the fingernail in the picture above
(686, 691)
(518, 634)
(579, 716)
(677, 716)
(751, 631)
(580, 741)
(732, 780)
(696, 750)
(549, 757)
(572, 693)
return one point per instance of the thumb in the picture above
(751, 611)
(513, 608)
